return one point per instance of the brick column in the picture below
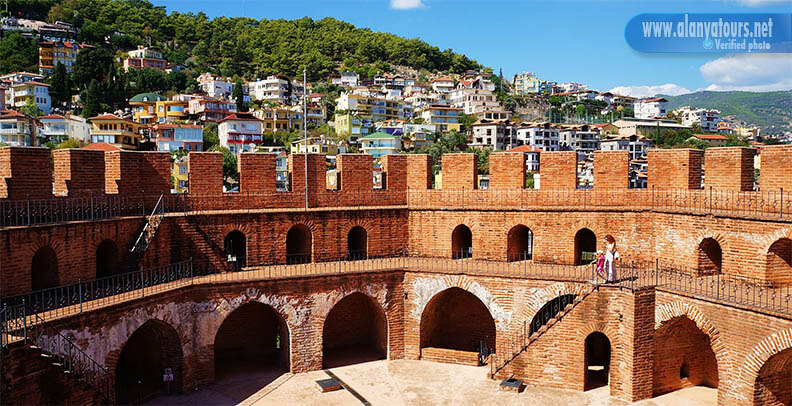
(257, 173)
(317, 174)
(611, 169)
(122, 173)
(419, 171)
(79, 172)
(776, 170)
(638, 335)
(729, 168)
(558, 170)
(25, 172)
(394, 172)
(507, 170)
(355, 172)
(674, 168)
(205, 173)
(459, 171)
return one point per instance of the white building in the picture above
(443, 85)
(476, 96)
(532, 154)
(273, 89)
(571, 87)
(20, 92)
(57, 128)
(347, 79)
(220, 88)
(581, 138)
(496, 134)
(650, 108)
(240, 132)
(539, 134)
(637, 145)
(707, 119)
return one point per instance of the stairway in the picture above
(499, 361)
(40, 365)
(205, 249)
(149, 230)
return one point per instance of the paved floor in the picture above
(405, 382)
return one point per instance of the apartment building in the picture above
(116, 131)
(211, 109)
(180, 174)
(273, 89)
(17, 77)
(637, 145)
(708, 119)
(51, 53)
(650, 108)
(173, 137)
(346, 79)
(18, 129)
(369, 103)
(540, 134)
(353, 125)
(532, 155)
(715, 140)
(443, 85)
(582, 138)
(496, 134)
(316, 113)
(19, 93)
(56, 128)
(380, 144)
(240, 132)
(280, 118)
(144, 107)
(646, 127)
(446, 118)
(144, 57)
(317, 145)
(527, 83)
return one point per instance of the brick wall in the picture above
(394, 172)
(205, 173)
(674, 168)
(355, 322)
(611, 169)
(355, 172)
(122, 174)
(558, 170)
(776, 168)
(79, 172)
(729, 168)
(507, 170)
(459, 171)
(317, 174)
(419, 171)
(25, 172)
(257, 173)
(155, 172)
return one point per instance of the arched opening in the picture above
(107, 259)
(683, 357)
(520, 243)
(585, 246)
(779, 261)
(153, 350)
(456, 319)
(234, 248)
(461, 242)
(44, 269)
(710, 256)
(774, 382)
(357, 243)
(298, 245)
(354, 331)
(598, 353)
(549, 311)
(253, 339)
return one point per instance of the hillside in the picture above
(244, 46)
(771, 111)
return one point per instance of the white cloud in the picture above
(750, 72)
(669, 89)
(757, 3)
(406, 4)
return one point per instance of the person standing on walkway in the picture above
(611, 255)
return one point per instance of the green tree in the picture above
(93, 100)
(92, 64)
(30, 108)
(230, 170)
(467, 121)
(60, 85)
(210, 136)
(580, 110)
(18, 53)
(239, 96)
(68, 143)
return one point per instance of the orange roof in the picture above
(58, 116)
(526, 148)
(710, 137)
(107, 117)
(443, 80)
(32, 82)
(654, 99)
(177, 126)
(101, 146)
(241, 117)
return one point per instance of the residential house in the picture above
(20, 92)
(496, 134)
(280, 118)
(116, 131)
(476, 96)
(347, 79)
(569, 87)
(715, 140)
(646, 127)
(180, 174)
(443, 85)
(527, 83)
(650, 108)
(220, 88)
(18, 129)
(211, 109)
(582, 138)
(725, 128)
(417, 139)
(173, 137)
(353, 125)
(317, 145)
(421, 100)
(240, 132)
(169, 111)
(144, 107)
(16, 77)
(51, 53)
(540, 134)
(639, 169)
(532, 154)
(56, 128)
(273, 89)
(370, 104)
(446, 118)
(144, 57)
(380, 144)
(316, 113)
(708, 119)
(637, 145)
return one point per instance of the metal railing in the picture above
(17, 325)
(149, 229)
(29, 212)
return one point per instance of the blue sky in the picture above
(559, 40)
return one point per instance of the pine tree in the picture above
(60, 85)
(239, 97)
(93, 100)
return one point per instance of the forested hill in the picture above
(244, 46)
(771, 111)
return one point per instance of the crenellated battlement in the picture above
(37, 173)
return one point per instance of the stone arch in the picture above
(681, 319)
(597, 359)
(519, 243)
(773, 384)
(456, 319)
(425, 289)
(709, 256)
(44, 273)
(253, 335)
(154, 346)
(585, 246)
(535, 298)
(357, 243)
(778, 266)
(354, 330)
(461, 242)
(752, 371)
(107, 259)
(299, 244)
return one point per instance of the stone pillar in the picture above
(674, 168)
(558, 170)
(25, 172)
(611, 169)
(507, 170)
(776, 168)
(257, 172)
(419, 171)
(459, 171)
(355, 172)
(205, 173)
(729, 168)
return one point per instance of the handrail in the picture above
(143, 237)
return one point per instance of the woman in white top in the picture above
(611, 255)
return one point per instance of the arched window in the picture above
(779, 261)
(107, 259)
(598, 353)
(461, 242)
(585, 246)
(298, 244)
(520, 243)
(234, 248)
(710, 256)
(549, 311)
(44, 269)
(357, 243)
